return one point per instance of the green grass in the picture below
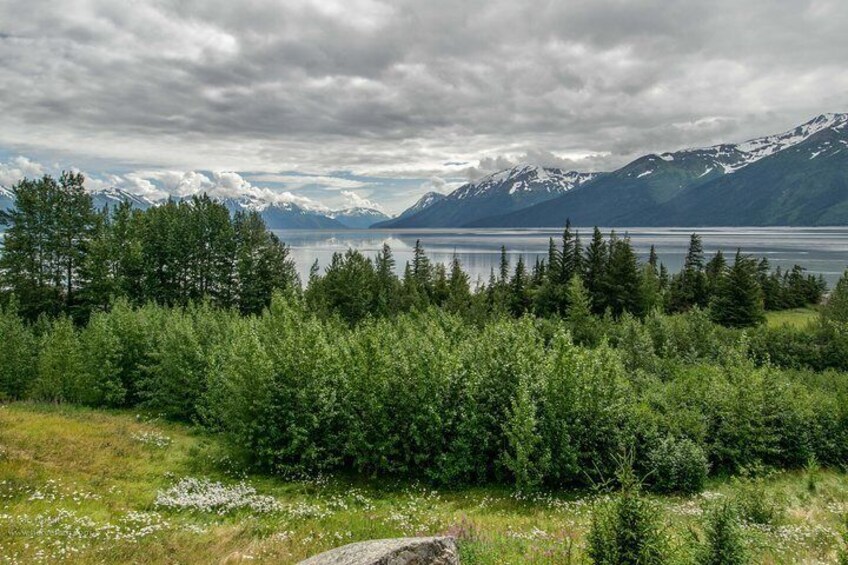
(796, 317)
(81, 486)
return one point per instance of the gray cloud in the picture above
(407, 89)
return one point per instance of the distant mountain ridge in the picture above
(277, 215)
(508, 190)
(797, 177)
(358, 217)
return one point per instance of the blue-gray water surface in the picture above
(819, 250)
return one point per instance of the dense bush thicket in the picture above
(433, 396)
(541, 377)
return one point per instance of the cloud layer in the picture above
(405, 89)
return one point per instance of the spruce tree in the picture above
(837, 304)
(689, 287)
(519, 295)
(567, 265)
(653, 261)
(459, 292)
(386, 281)
(421, 270)
(554, 257)
(579, 317)
(714, 270)
(739, 300)
(503, 267)
(622, 279)
(594, 272)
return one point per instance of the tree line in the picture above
(604, 278)
(61, 255)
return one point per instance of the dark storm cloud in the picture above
(404, 88)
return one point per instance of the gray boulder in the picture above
(396, 551)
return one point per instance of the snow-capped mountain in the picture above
(288, 215)
(113, 196)
(358, 217)
(7, 199)
(727, 158)
(798, 177)
(498, 193)
(423, 203)
(522, 179)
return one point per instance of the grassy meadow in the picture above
(85, 486)
(795, 317)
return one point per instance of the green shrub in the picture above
(526, 458)
(677, 465)
(101, 385)
(723, 544)
(176, 378)
(61, 367)
(627, 531)
(754, 503)
(17, 354)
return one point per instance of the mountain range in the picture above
(799, 177)
(499, 193)
(795, 178)
(277, 215)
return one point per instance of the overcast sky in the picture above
(340, 102)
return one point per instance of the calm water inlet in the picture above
(819, 250)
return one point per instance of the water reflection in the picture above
(820, 250)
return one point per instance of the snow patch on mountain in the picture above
(732, 157)
(523, 178)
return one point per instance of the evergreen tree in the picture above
(739, 300)
(99, 269)
(519, 294)
(503, 268)
(421, 269)
(837, 304)
(554, 257)
(622, 282)
(262, 264)
(125, 240)
(459, 291)
(348, 286)
(715, 270)
(579, 317)
(44, 247)
(650, 290)
(689, 287)
(570, 256)
(387, 285)
(440, 285)
(75, 228)
(595, 271)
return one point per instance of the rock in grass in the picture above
(396, 551)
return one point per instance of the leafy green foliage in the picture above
(61, 366)
(678, 465)
(724, 544)
(17, 354)
(627, 531)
